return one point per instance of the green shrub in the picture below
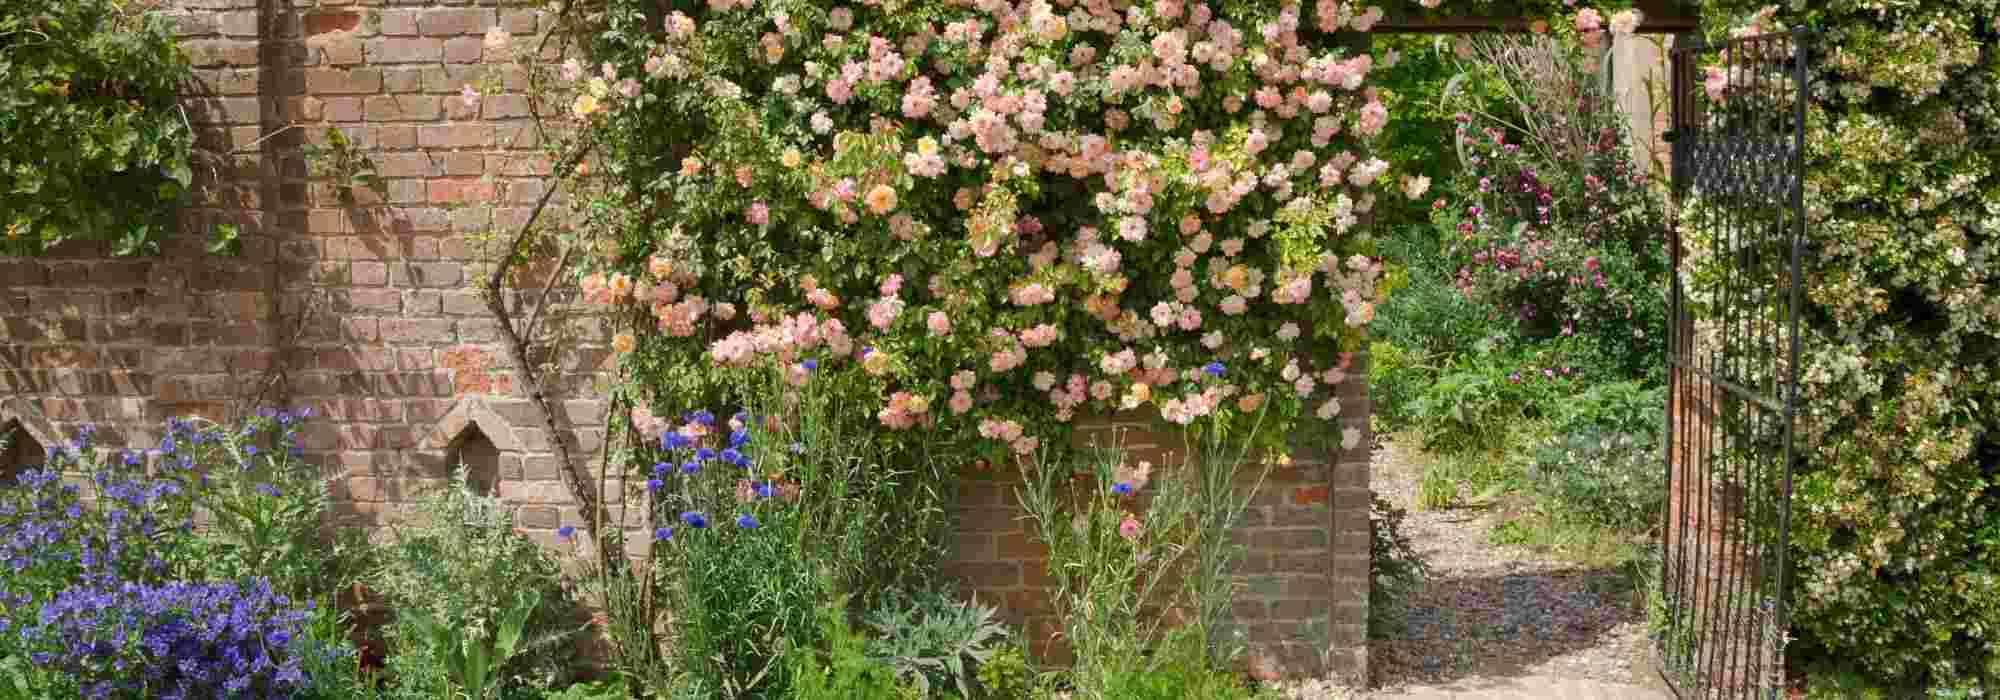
(844, 670)
(460, 569)
(1475, 404)
(1006, 675)
(1604, 463)
(1173, 681)
(594, 690)
(934, 640)
(1134, 540)
(93, 143)
(1551, 221)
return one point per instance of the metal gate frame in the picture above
(1732, 358)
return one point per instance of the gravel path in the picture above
(1495, 622)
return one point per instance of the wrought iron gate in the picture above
(1738, 135)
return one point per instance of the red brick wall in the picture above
(366, 311)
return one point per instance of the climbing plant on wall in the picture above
(1894, 531)
(93, 145)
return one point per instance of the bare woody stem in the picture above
(578, 483)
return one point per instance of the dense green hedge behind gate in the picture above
(1896, 517)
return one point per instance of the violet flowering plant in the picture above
(107, 553)
(175, 641)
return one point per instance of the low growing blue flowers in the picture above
(175, 641)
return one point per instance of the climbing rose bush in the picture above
(1003, 214)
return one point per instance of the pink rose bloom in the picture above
(938, 323)
(1039, 336)
(884, 312)
(1587, 20)
(1190, 319)
(961, 402)
(758, 214)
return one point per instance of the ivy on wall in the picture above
(93, 144)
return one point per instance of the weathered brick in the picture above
(398, 22)
(390, 108)
(325, 20)
(416, 330)
(402, 79)
(368, 273)
(344, 81)
(454, 21)
(455, 136)
(408, 165)
(241, 24)
(397, 49)
(463, 49)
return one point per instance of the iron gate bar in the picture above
(1723, 574)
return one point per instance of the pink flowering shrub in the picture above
(1004, 214)
(1559, 227)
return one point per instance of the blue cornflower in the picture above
(267, 490)
(704, 454)
(654, 484)
(764, 490)
(704, 418)
(694, 520)
(131, 459)
(810, 364)
(736, 458)
(1122, 488)
(663, 533)
(798, 448)
(738, 438)
(690, 467)
(250, 450)
(674, 440)
(1213, 369)
(662, 468)
(746, 522)
(566, 532)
